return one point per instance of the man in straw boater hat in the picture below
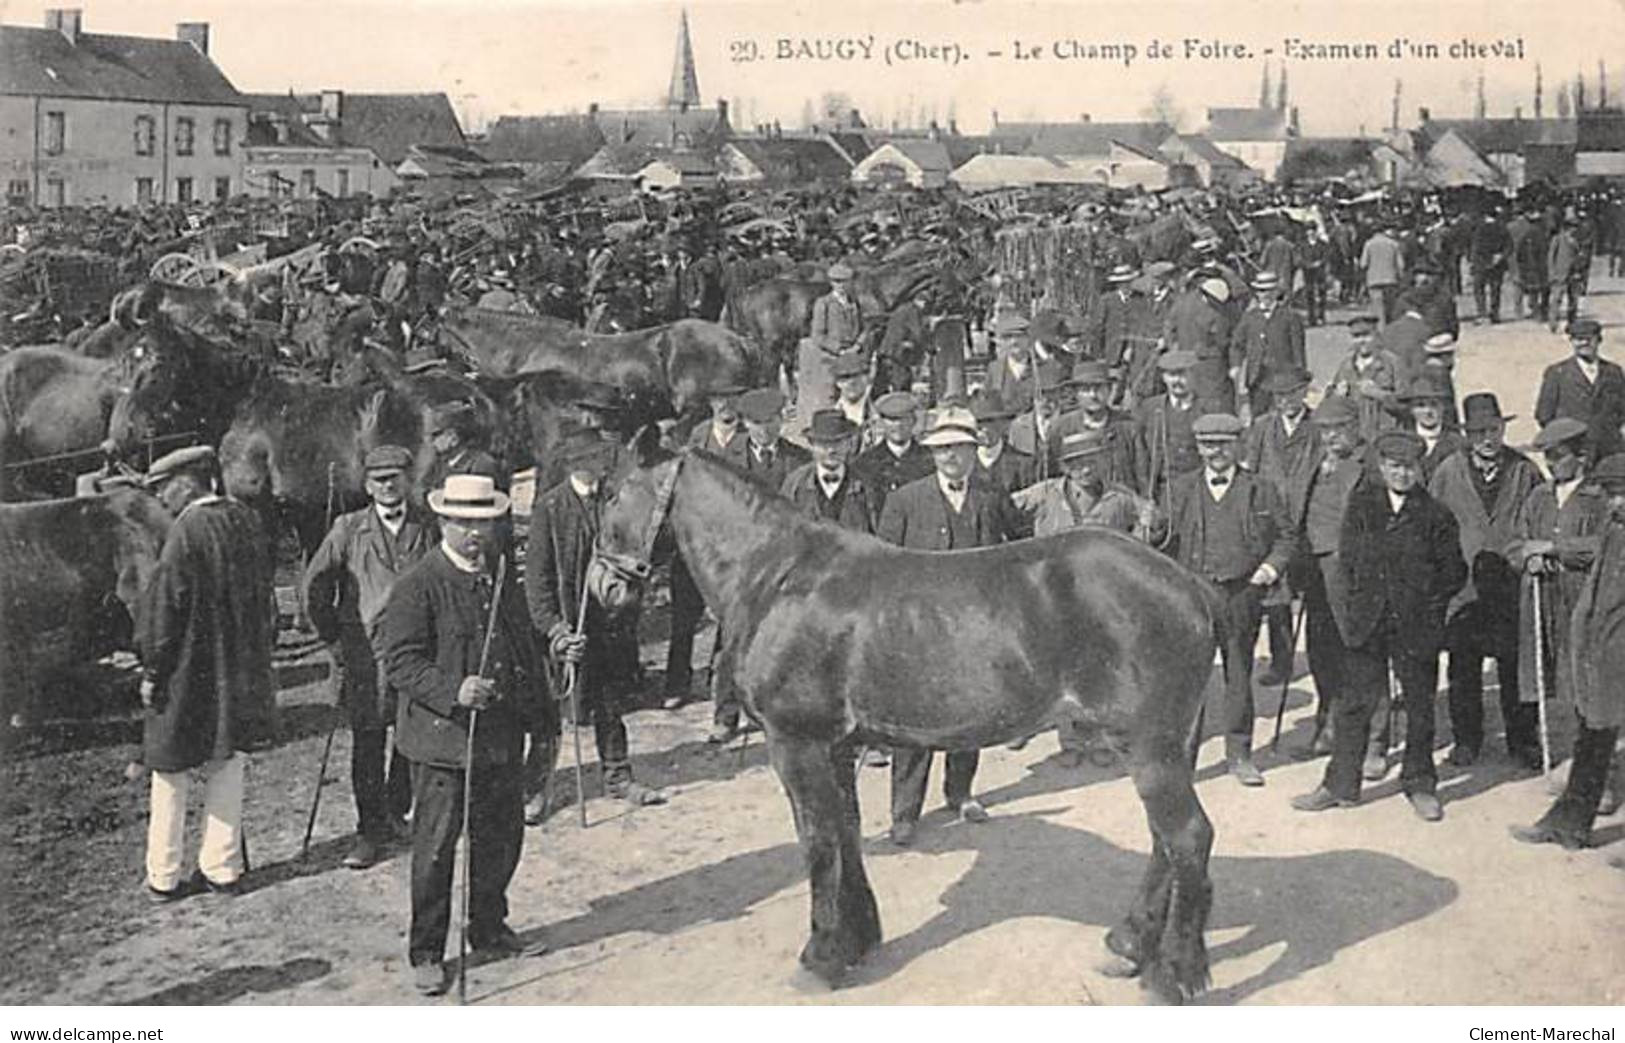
(1587, 388)
(1202, 325)
(1269, 338)
(1401, 564)
(1597, 659)
(1120, 314)
(1484, 485)
(1230, 527)
(944, 511)
(604, 650)
(205, 634)
(471, 688)
(347, 584)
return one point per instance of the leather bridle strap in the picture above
(641, 565)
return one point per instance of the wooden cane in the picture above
(1286, 682)
(468, 786)
(327, 747)
(1540, 687)
(572, 674)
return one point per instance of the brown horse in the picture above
(52, 402)
(836, 639)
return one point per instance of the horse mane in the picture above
(760, 503)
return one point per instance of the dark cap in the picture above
(896, 405)
(1176, 361)
(194, 458)
(761, 405)
(828, 426)
(1611, 473)
(1481, 410)
(1363, 323)
(584, 447)
(1585, 328)
(1563, 429)
(1286, 380)
(387, 458)
(726, 388)
(1404, 447)
(1089, 371)
(1335, 410)
(1217, 427)
(849, 364)
(986, 405)
(1428, 387)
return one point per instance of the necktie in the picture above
(956, 487)
(395, 517)
(1218, 481)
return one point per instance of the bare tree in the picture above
(1164, 107)
(1563, 101)
(835, 105)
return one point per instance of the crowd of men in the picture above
(1383, 524)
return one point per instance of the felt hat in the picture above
(829, 426)
(1611, 472)
(1480, 410)
(985, 405)
(1217, 427)
(194, 458)
(583, 447)
(469, 496)
(1427, 387)
(761, 405)
(1585, 328)
(954, 425)
(387, 459)
(1335, 410)
(1283, 381)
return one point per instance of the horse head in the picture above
(633, 523)
(180, 381)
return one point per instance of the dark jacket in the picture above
(1405, 567)
(916, 516)
(1486, 533)
(787, 456)
(852, 508)
(1597, 636)
(1268, 344)
(205, 636)
(1265, 534)
(1013, 469)
(433, 635)
(884, 472)
(1575, 530)
(1564, 391)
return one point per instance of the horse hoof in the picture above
(1119, 967)
(818, 978)
(1161, 989)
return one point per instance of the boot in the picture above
(1279, 622)
(618, 783)
(539, 765)
(1376, 762)
(1238, 757)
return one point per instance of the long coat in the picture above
(1375, 401)
(1565, 391)
(852, 508)
(1574, 529)
(347, 584)
(1165, 446)
(884, 472)
(1486, 533)
(1597, 634)
(433, 636)
(205, 634)
(1405, 567)
(916, 516)
(1203, 328)
(1267, 343)
(1286, 461)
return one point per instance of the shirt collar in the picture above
(459, 562)
(583, 489)
(989, 455)
(942, 483)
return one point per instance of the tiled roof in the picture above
(793, 160)
(389, 124)
(1601, 132)
(1491, 136)
(543, 139)
(1201, 147)
(1084, 138)
(930, 156)
(695, 128)
(127, 68)
(1250, 124)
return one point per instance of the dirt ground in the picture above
(705, 901)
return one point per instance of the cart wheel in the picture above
(180, 269)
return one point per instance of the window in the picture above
(222, 137)
(222, 189)
(183, 190)
(145, 135)
(143, 191)
(56, 192)
(185, 131)
(307, 183)
(341, 184)
(56, 133)
(17, 193)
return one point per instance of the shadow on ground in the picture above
(234, 983)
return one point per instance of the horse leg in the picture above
(1175, 966)
(808, 773)
(858, 909)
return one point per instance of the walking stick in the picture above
(1286, 682)
(468, 787)
(572, 674)
(327, 747)
(1540, 687)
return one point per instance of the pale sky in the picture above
(536, 56)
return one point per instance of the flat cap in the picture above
(1009, 324)
(1563, 429)
(1401, 446)
(387, 458)
(1217, 427)
(1335, 410)
(849, 364)
(1176, 360)
(1089, 371)
(896, 405)
(1284, 380)
(762, 405)
(1083, 443)
(1585, 328)
(1362, 323)
(178, 460)
(1611, 472)
(840, 270)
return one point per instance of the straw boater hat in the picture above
(1216, 288)
(1123, 273)
(469, 496)
(1083, 443)
(1266, 280)
(954, 425)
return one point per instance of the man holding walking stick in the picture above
(445, 616)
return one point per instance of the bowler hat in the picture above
(1217, 427)
(1481, 410)
(896, 405)
(190, 458)
(387, 459)
(1427, 387)
(1563, 429)
(1089, 371)
(1611, 472)
(829, 426)
(761, 405)
(1401, 446)
(849, 364)
(954, 425)
(1283, 381)
(469, 496)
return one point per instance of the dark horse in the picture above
(835, 639)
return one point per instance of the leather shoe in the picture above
(502, 941)
(363, 854)
(1320, 799)
(1526, 758)
(1609, 802)
(1245, 771)
(1375, 767)
(1275, 675)
(200, 884)
(536, 809)
(637, 794)
(429, 979)
(721, 735)
(1540, 833)
(1426, 806)
(1462, 756)
(157, 896)
(902, 833)
(972, 811)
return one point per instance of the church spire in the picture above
(1264, 88)
(685, 82)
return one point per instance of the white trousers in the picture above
(220, 852)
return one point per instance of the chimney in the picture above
(722, 111)
(932, 132)
(854, 119)
(1083, 117)
(953, 127)
(194, 33)
(65, 20)
(1423, 115)
(592, 108)
(1292, 121)
(333, 105)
